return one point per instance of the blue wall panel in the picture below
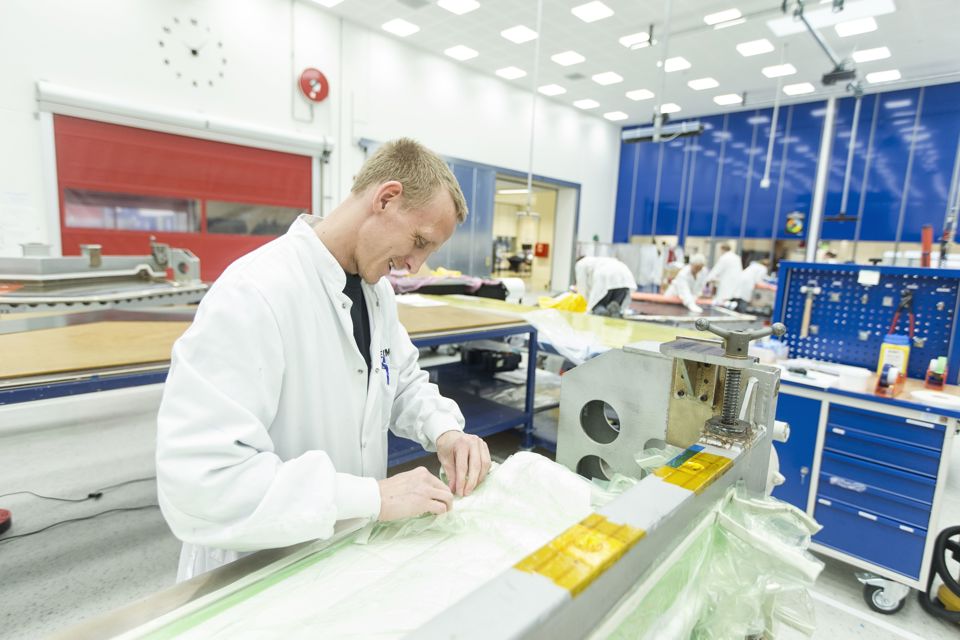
(671, 187)
(763, 201)
(625, 186)
(648, 159)
(734, 179)
(934, 154)
(803, 145)
(843, 228)
(888, 166)
(702, 177)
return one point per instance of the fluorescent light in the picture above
(639, 94)
(855, 27)
(607, 77)
(779, 70)
(511, 73)
(669, 107)
(728, 99)
(824, 17)
(615, 115)
(636, 40)
(400, 27)
(729, 23)
(328, 3)
(458, 7)
(519, 34)
(567, 58)
(586, 103)
(755, 47)
(461, 52)
(869, 55)
(703, 83)
(883, 76)
(799, 89)
(722, 16)
(677, 63)
(551, 90)
(592, 11)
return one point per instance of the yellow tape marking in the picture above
(580, 554)
(697, 473)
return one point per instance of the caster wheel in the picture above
(876, 600)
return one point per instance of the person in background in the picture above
(689, 283)
(725, 274)
(274, 418)
(748, 279)
(605, 283)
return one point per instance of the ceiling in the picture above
(920, 34)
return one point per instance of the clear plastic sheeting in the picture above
(392, 578)
(742, 571)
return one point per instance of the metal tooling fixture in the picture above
(611, 408)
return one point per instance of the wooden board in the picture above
(87, 346)
(423, 320)
(101, 345)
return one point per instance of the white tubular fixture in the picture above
(75, 102)
(823, 173)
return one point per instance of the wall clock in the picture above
(192, 52)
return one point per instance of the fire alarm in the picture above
(314, 85)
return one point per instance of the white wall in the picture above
(381, 88)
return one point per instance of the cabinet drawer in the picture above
(906, 430)
(870, 537)
(870, 498)
(883, 450)
(901, 483)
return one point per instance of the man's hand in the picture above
(465, 459)
(411, 493)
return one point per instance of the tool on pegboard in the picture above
(906, 304)
(810, 290)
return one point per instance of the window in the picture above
(249, 219)
(85, 209)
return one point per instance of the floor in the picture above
(87, 568)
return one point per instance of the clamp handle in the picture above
(736, 342)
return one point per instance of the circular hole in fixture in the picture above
(594, 467)
(600, 421)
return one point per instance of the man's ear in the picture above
(385, 194)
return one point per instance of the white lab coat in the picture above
(598, 275)
(725, 273)
(270, 429)
(748, 279)
(688, 287)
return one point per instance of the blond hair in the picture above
(419, 170)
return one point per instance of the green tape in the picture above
(191, 620)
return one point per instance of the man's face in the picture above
(695, 268)
(394, 238)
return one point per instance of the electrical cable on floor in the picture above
(93, 495)
(90, 517)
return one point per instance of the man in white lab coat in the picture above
(747, 281)
(273, 424)
(689, 283)
(606, 283)
(725, 274)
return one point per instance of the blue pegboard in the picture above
(848, 320)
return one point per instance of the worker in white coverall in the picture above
(688, 284)
(725, 274)
(747, 281)
(606, 283)
(273, 424)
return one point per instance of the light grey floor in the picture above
(57, 578)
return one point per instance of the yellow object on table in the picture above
(573, 302)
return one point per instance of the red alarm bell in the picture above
(314, 85)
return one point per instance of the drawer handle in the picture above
(825, 502)
(839, 432)
(849, 485)
(904, 527)
(868, 516)
(920, 423)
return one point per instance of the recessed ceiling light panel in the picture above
(799, 89)
(607, 77)
(703, 83)
(586, 103)
(855, 27)
(551, 90)
(636, 40)
(869, 55)
(592, 11)
(567, 58)
(722, 16)
(755, 47)
(458, 7)
(639, 94)
(669, 107)
(677, 63)
(883, 76)
(460, 52)
(519, 34)
(511, 73)
(615, 115)
(728, 99)
(400, 27)
(779, 70)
